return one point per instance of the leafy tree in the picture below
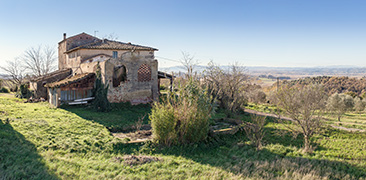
(100, 102)
(339, 104)
(359, 104)
(304, 105)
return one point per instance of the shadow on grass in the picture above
(228, 152)
(120, 119)
(19, 158)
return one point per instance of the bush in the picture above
(23, 92)
(4, 90)
(182, 119)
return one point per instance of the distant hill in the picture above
(293, 72)
(334, 84)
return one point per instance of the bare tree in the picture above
(189, 63)
(15, 70)
(39, 60)
(227, 86)
(304, 106)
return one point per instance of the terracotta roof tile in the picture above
(112, 45)
(70, 80)
(49, 75)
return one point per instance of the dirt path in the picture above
(289, 119)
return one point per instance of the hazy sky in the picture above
(251, 32)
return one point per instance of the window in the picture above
(144, 73)
(115, 54)
(119, 75)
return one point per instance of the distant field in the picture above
(265, 82)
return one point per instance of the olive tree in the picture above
(339, 104)
(304, 106)
(359, 105)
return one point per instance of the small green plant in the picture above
(139, 123)
(182, 118)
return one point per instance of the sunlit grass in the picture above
(39, 142)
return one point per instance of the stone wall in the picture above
(132, 89)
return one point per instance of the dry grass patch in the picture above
(132, 160)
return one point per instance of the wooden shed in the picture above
(77, 89)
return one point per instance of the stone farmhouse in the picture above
(130, 71)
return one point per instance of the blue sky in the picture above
(289, 33)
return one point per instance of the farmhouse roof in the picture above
(70, 80)
(50, 75)
(112, 45)
(91, 57)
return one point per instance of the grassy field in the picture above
(39, 142)
(348, 120)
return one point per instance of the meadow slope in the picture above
(39, 142)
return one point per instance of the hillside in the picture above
(333, 84)
(39, 142)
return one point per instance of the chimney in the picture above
(64, 36)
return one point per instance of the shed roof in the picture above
(70, 80)
(165, 75)
(112, 45)
(50, 75)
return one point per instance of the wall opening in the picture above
(119, 75)
(115, 54)
(144, 73)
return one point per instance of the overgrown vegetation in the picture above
(183, 117)
(228, 87)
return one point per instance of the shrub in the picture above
(4, 90)
(255, 130)
(182, 118)
(23, 92)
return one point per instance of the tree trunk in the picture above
(307, 146)
(339, 118)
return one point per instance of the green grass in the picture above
(121, 118)
(40, 142)
(348, 120)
